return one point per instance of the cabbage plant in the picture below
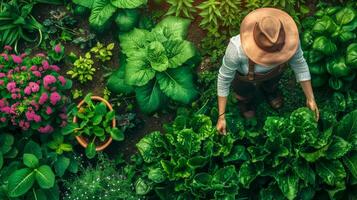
(158, 65)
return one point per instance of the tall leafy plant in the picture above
(158, 64)
(104, 11)
(178, 7)
(332, 31)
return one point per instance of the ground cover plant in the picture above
(148, 70)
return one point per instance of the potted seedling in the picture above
(94, 125)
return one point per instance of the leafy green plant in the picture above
(6, 147)
(127, 19)
(94, 123)
(178, 7)
(332, 32)
(232, 12)
(185, 162)
(76, 93)
(294, 158)
(83, 68)
(103, 53)
(102, 181)
(210, 14)
(157, 65)
(103, 11)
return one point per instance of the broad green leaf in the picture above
(61, 165)
(181, 169)
(197, 162)
(36, 195)
(172, 28)
(156, 54)
(338, 148)
(314, 156)
(100, 109)
(53, 193)
(138, 73)
(20, 182)
(97, 119)
(150, 98)
(116, 82)
(102, 11)
(347, 128)
(304, 171)
(33, 148)
(142, 187)
(345, 15)
(90, 150)
(288, 184)
(6, 142)
(128, 3)
(351, 55)
(180, 51)
(98, 131)
(248, 172)
(324, 45)
(178, 84)
(224, 175)
(202, 180)
(332, 172)
(85, 3)
(157, 175)
(133, 41)
(45, 177)
(351, 162)
(146, 147)
(117, 134)
(30, 160)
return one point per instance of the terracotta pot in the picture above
(82, 140)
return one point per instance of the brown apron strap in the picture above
(251, 70)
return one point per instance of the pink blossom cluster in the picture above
(32, 92)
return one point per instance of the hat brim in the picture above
(257, 54)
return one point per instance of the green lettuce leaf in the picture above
(332, 172)
(102, 11)
(138, 72)
(128, 3)
(178, 84)
(172, 28)
(180, 51)
(150, 97)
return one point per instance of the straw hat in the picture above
(269, 36)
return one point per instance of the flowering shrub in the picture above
(31, 92)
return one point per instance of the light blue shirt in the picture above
(235, 60)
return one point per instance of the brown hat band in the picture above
(264, 43)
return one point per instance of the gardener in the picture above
(256, 58)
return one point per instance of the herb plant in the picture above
(158, 64)
(83, 68)
(178, 7)
(94, 123)
(332, 32)
(103, 53)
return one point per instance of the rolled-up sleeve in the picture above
(230, 63)
(299, 66)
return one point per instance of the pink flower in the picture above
(23, 68)
(13, 96)
(55, 68)
(23, 55)
(43, 98)
(1, 82)
(6, 109)
(32, 116)
(34, 87)
(33, 68)
(62, 80)
(48, 110)
(58, 48)
(45, 65)
(37, 73)
(48, 79)
(3, 119)
(37, 118)
(46, 129)
(54, 98)
(16, 59)
(8, 48)
(40, 55)
(63, 116)
(5, 56)
(10, 86)
(27, 90)
(2, 75)
(2, 102)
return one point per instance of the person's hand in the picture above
(313, 106)
(221, 125)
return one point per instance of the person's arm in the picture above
(302, 73)
(225, 77)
